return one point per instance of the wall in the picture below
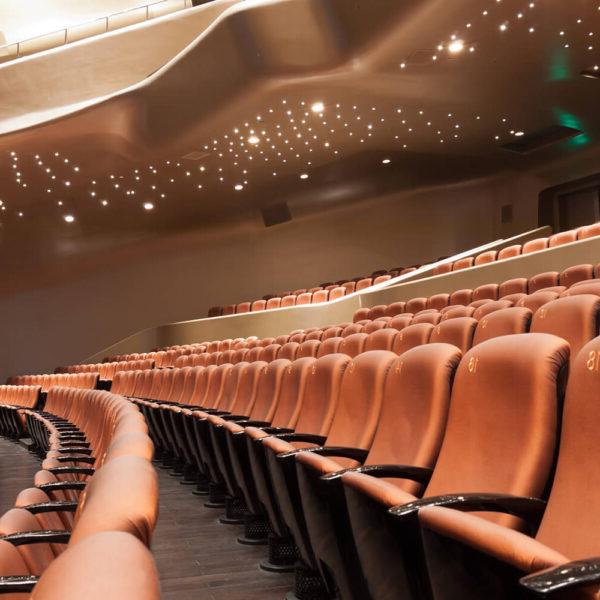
(179, 280)
(23, 20)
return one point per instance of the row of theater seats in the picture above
(536, 245)
(161, 358)
(512, 290)
(84, 529)
(13, 398)
(316, 295)
(46, 381)
(234, 427)
(107, 370)
(453, 322)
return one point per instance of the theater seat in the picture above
(487, 423)
(361, 314)
(537, 300)
(288, 301)
(508, 321)
(396, 308)
(534, 245)
(438, 301)
(106, 565)
(363, 284)
(565, 237)
(273, 303)
(243, 307)
(258, 305)
(543, 280)
(568, 527)
(320, 296)
(463, 297)
(416, 305)
(330, 346)
(457, 332)
(486, 257)
(490, 307)
(509, 252)
(455, 311)
(427, 316)
(400, 322)
(589, 231)
(412, 336)
(374, 326)
(443, 268)
(576, 274)
(463, 263)
(513, 286)
(377, 311)
(336, 293)
(381, 340)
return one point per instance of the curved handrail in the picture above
(73, 33)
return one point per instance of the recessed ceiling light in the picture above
(148, 206)
(519, 133)
(253, 140)
(69, 218)
(456, 47)
(318, 107)
(304, 176)
(239, 187)
(386, 161)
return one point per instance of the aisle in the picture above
(199, 559)
(17, 469)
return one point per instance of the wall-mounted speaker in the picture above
(276, 214)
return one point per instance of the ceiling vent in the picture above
(196, 155)
(540, 139)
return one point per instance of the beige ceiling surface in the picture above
(298, 100)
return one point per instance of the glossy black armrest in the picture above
(44, 536)
(569, 576)
(19, 584)
(251, 423)
(310, 438)
(77, 449)
(359, 454)
(235, 417)
(89, 460)
(62, 485)
(46, 507)
(419, 474)
(529, 509)
(76, 444)
(73, 470)
(274, 430)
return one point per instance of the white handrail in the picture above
(61, 37)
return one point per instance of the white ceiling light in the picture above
(239, 187)
(253, 140)
(456, 47)
(386, 161)
(69, 218)
(318, 107)
(304, 176)
(148, 206)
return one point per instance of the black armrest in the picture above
(22, 584)
(76, 444)
(359, 454)
(62, 485)
(46, 536)
(81, 470)
(77, 449)
(46, 507)
(529, 509)
(310, 438)
(251, 423)
(89, 460)
(419, 474)
(569, 576)
(234, 417)
(272, 430)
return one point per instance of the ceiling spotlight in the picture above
(456, 47)
(69, 218)
(253, 140)
(519, 133)
(148, 206)
(304, 176)
(104, 202)
(239, 187)
(318, 107)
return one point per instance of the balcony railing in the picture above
(99, 26)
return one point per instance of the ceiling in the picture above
(302, 101)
